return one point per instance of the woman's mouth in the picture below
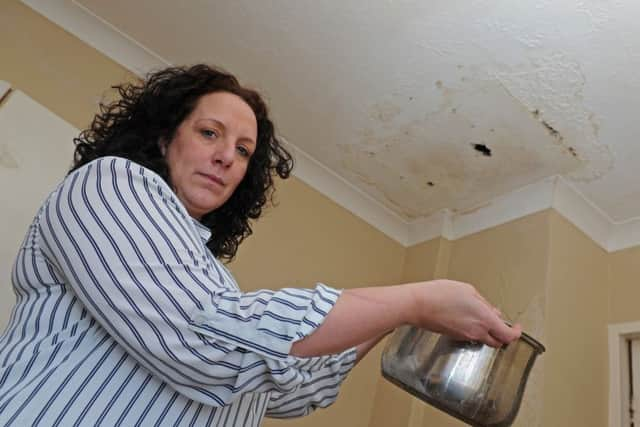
(214, 178)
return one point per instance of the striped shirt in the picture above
(124, 317)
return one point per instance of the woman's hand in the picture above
(458, 310)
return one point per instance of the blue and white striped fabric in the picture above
(123, 317)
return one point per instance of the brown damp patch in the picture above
(385, 112)
(552, 131)
(556, 135)
(351, 161)
(400, 161)
(579, 139)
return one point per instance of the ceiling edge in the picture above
(99, 34)
(625, 235)
(516, 204)
(583, 213)
(553, 192)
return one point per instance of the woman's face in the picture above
(210, 152)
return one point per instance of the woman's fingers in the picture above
(504, 333)
(490, 340)
(459, 310)
(499, 330)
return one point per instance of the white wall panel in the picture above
(35, 153)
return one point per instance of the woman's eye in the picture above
(210, 133)
(243, 151)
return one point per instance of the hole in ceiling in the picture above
(430, 184)
(481, 148)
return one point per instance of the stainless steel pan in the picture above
(476, 383)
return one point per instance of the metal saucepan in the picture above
(476, 383)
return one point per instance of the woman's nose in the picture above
(224, 153)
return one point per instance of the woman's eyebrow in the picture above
(208, 119)
(221, 125)
(247, 139)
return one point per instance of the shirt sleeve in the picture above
(319, 390)
(134, 257)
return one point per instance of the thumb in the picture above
(505, 333)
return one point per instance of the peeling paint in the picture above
(553, 132)
(551, 86)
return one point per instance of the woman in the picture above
(125, 314)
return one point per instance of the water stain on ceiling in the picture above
(489, 135)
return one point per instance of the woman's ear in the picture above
(162, 145)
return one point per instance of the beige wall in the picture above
(624, 301)
(575, 374)
(53, 67)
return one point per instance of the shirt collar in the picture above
(203, 231)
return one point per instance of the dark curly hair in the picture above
(151, 111)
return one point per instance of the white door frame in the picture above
(619, 333)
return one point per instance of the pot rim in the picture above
(537, 345)
(533, 342)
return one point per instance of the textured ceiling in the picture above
(428, 105)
